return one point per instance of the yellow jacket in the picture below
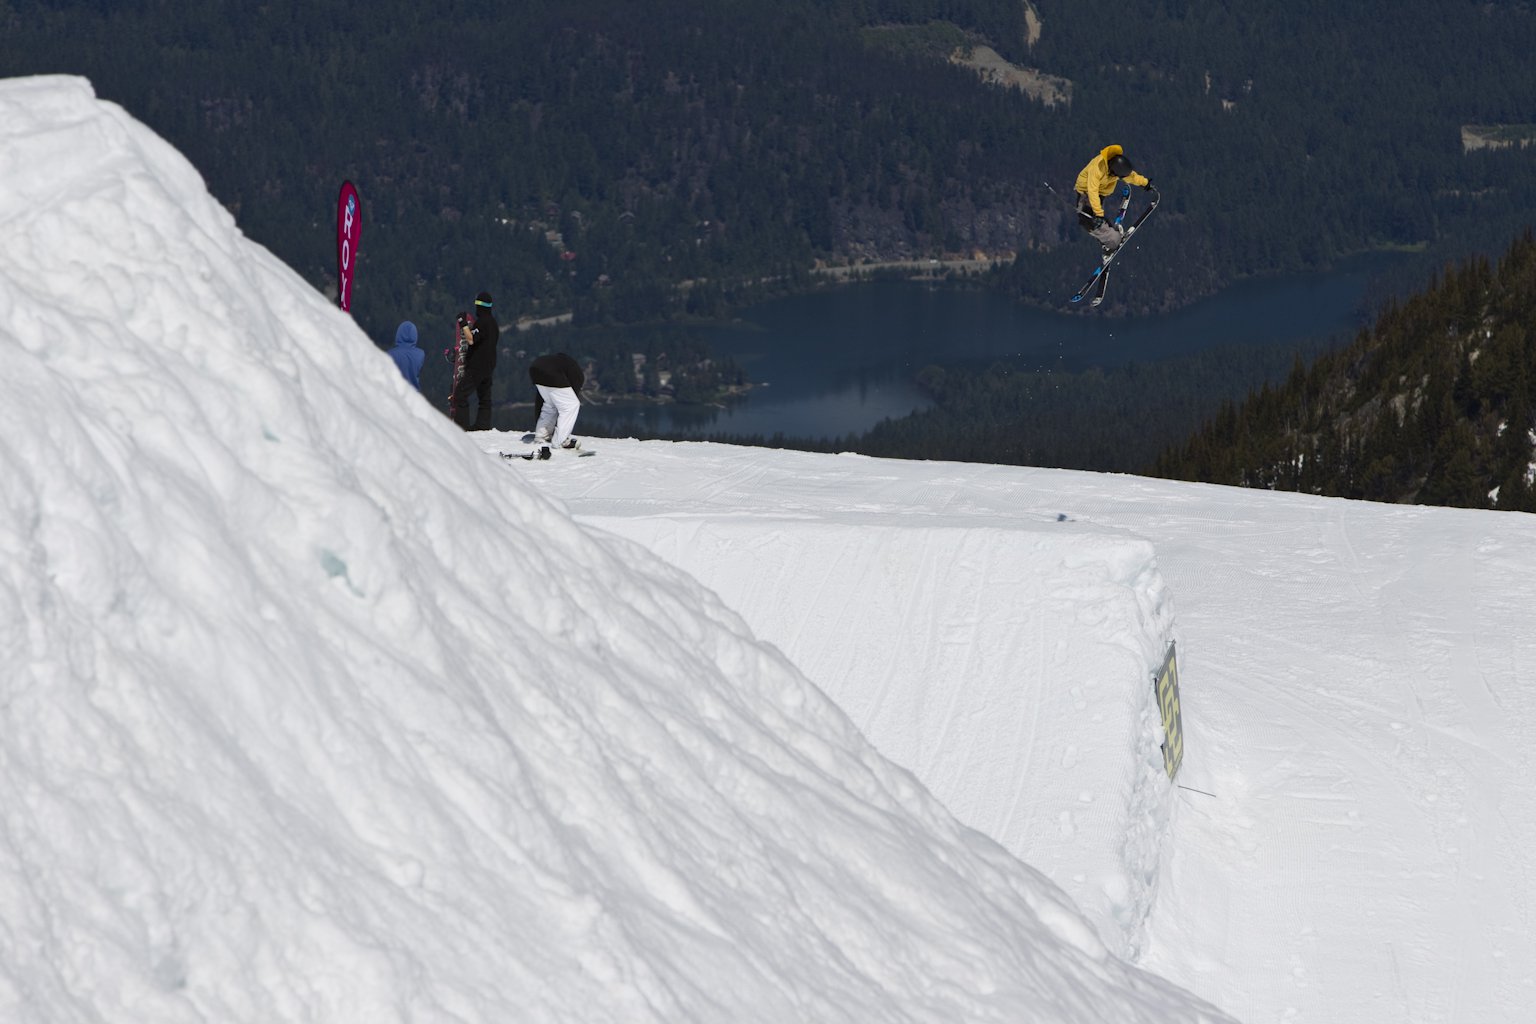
(1095, 181)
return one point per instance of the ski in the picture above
(1099, 281)
(1098, 292)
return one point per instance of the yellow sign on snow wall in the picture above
(1167, 682)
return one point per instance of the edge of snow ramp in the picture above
(1006, 665)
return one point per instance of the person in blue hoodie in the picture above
(407, 355)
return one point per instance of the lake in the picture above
(837, 362)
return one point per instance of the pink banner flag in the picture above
(349, 231)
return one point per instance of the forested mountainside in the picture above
(1434, 404)
(1109, 420)
(591, 155)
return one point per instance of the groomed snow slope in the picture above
(1358, 682)
(311, 711)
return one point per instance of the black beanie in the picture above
(483, 299)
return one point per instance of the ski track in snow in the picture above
(1356, 692)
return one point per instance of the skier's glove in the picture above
(1148, 187)
(1098, 222)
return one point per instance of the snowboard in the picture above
(456, 355)
(542, 453)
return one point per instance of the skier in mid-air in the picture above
(1099, 179)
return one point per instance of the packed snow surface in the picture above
(1357, 841)
(313, 710)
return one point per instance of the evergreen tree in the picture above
(1433, 404)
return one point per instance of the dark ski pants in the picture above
(479, 386)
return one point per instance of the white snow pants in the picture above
(558, 417)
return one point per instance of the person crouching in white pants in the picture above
(558, 380)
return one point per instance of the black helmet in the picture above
(483, 300)
(1119, 166)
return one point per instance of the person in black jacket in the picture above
(481, 333)
(558, 380)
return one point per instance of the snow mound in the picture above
(313, 712)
